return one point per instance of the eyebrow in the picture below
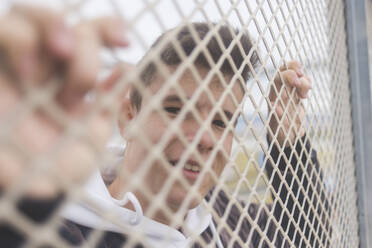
(175, 98)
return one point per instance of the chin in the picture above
(177, 196)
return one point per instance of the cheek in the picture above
(156, 177)
(209, 182)
(221, 160)
(220, 163)
(227, 143)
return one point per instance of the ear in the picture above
(127, 113)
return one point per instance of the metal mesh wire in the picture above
(369, 23)
(273, 192)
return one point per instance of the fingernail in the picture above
(297, 82)
(27, 66)
(120, 38)
(300, 72)
(120, 34)
(63, 41)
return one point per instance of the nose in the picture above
(192, 128)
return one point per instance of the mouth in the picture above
(191, 169)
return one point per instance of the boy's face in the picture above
(209, 142)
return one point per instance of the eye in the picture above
(219, 123)
(172, 110)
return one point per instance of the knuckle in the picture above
(309, 83)
(306, 88)
(84, 81)
(40, 14)
(18, 32)
(289, 74)
(294, 64)
(106, 21)
(290, 77)
(284, 97)
(9, 97)
(84, 29)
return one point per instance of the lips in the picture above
(191, 169)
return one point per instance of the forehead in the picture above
(189, 84)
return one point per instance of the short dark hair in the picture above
(169, 56)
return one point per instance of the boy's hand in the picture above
(289, 111)
(40, 54)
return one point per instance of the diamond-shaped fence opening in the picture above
(215, 124)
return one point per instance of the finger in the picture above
(58, 37)
(300, 116)
(289, 77)
(9, 98)
(19, 41)
(110, 81)
(278, 94)
(304, 88)
(289, 111)
(11, 167)
(118, 74)
(36, 133)
(81, 71)
(112, 91)
(279, 111)
(111, 31)
(100, 125)
(293, 65)
(75, 160)
(85, 64)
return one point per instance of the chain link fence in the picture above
(230, 125)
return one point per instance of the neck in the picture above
(120, 186)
